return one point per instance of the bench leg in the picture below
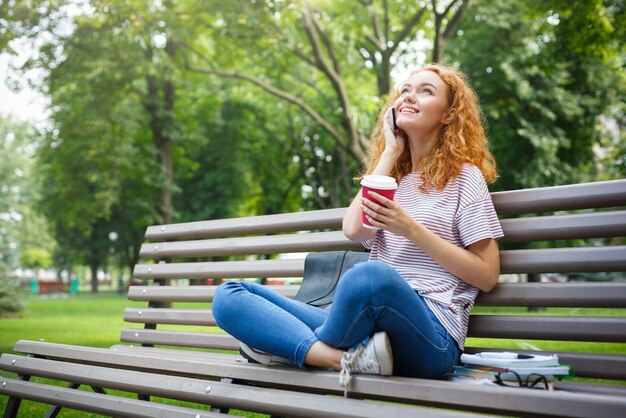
(227, 410)
(13, 404)
(55, 409)
(222, 410)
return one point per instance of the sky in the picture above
(25, 105)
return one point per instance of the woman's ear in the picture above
(449, 117)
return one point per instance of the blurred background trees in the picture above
(169, 111)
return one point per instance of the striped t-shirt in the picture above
(462, 213)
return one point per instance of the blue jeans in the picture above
(371, 297)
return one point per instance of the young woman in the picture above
(404, 312)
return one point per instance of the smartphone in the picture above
(393, 119)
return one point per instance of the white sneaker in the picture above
(374, 357)
(254, 355)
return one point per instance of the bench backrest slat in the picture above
(600, 366)
(553, 260)
(600, 194)
(558, 328)
(587, 225)
(595, 329)
(569, 197)
(179, 338)
(564, 260)
(203, 317)
(189, 293)
(561, 227)
(221, 269)
(572, 294)
(266, 224)
(272, 244)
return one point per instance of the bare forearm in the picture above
(352, 225)
(480, 268)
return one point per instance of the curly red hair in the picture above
(462, 141)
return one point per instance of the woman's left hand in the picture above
(388, 214)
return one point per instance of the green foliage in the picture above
(36, 258)
(10, 296)
(203, 110)
(544, 85)
(21, 226)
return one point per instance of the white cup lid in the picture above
(379, 182)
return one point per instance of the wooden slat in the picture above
(249, 398)
(586, 295)
(97, 403)
(202, 317)
(564, 260)
(179, 338)
(592, 195)
(560, 227)
(578, 226)
(568, 197)
(557, 328)
(191, 293)
(510, 401)
(599, 366)
(221, 269)
(616, 390)
(573, 294)
(296, 221)
(273, 244)
(553, 260)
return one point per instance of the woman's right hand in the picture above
(394, 140)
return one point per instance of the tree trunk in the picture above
(159, 118)
(93, 266)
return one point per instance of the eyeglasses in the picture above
(533, 380)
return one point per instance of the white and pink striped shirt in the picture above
(462, 213)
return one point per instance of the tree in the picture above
(544, 85)
(312, 58)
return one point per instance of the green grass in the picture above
(96, 321)
(89, 320)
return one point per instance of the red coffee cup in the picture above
(383, 185)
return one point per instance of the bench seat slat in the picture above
(97, 403)
(397, 389)
(558, 328)
(268, 401)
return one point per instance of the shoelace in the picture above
(347, 365)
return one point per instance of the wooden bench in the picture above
(156, 360)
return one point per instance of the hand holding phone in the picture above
(391, 114)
